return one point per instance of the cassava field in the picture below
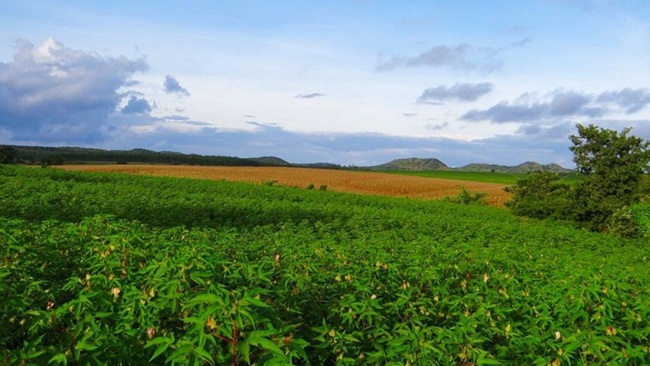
(122, 269)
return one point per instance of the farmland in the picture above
(335, 180)
(110, 268)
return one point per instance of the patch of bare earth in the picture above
(336, 180)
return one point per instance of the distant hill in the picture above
(412, 164)
(518, 169)
(270, 160)
(420, 164)
(81, 155)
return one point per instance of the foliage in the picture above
(484, 177)
(231, 273)
(624, 223)
(466, 197)
(641, 214)
(8, 154)
(57, 155)
(539, 195)
(612, 166)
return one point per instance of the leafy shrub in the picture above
(466, 197)
(641, 214)
(623, 222)
(539, 195)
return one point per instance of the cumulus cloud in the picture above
(461, 92)
(562, 103)
(136, 105)
(463, 57)
(310, 95)
(51, 93)
(172, 86)
(629, 100)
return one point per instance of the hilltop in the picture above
(526, 167)
(412, 164)
(424, 164)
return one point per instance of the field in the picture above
(335, 180)
(123, 269)
(485, 177)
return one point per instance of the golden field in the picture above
(336, 180)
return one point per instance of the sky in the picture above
(356, 82)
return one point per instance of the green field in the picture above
(118, 270)
(485, 177)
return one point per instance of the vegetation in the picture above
(612, 166)
(8, 154)
(336, 180)
(61, 155)
(540, 195)
(479, 176)
(113, 269)
(612, 169)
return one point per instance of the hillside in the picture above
(412, 164)
(423, 164)
(521, 168)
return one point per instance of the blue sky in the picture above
(349, 82)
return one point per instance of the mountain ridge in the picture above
(69, 154)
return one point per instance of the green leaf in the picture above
(256, 302)
(267, 345)
(181, 352)
(205, 299)
(58, 359)
(159, 350)
(487, 361)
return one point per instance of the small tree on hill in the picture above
(612, 167)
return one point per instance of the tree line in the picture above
(10, 154)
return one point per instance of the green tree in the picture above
(8, 154)
(612, 167)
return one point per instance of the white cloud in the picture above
(52, 93)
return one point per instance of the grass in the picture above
(483, 177)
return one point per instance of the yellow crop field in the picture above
(336, 180)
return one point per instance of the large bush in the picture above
(539, 195)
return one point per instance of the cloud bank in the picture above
(51, 93)
(561, 104)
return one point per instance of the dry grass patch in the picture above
(335, 180)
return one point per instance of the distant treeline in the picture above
(78, 155)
